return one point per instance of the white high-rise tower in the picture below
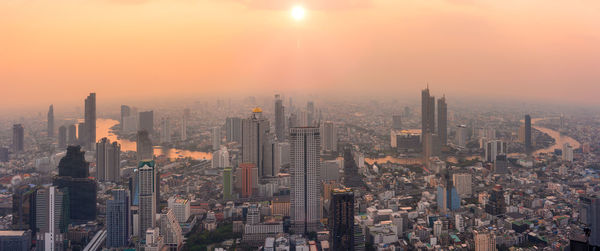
(305, 144)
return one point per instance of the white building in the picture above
(567, 152)
(220, 158)
(463, 184)
(170, 230)
(180, 207)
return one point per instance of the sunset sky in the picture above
(54, 51)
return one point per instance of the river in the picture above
(103, 130)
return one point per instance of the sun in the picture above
(298, 13)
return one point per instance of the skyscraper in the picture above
(90, 120)
(249, 179)
(62, 137)
(73, 173)
(528, 142)
(427, 112)
(442, 121)
(254, 130)
(165, 130)
(447, 198)
(496, 204)
(305, 144)
(125, 112)
(108, 160)
(71, 134)
(18, 138)
(341, 219)
(52, 217)
(310, 113)
(329, 137)
(233, 127)
(494, 148)
(396, 122)
(184, 122)
(23, 210)
(146, 121)
(594, 221)
(117, 219)
(227, 184)
(81, 133)
(50, 129)
(170, 229)
(144, 148)
(216, 138)
(147, 189)
(270, 152)
(461, 135)
(279, 118)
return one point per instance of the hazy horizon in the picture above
(56, 52)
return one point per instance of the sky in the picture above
(58, 51)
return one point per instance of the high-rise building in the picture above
(447, 198)
(528, 141)
(427, 112)
(496, 204)
(341, 219)
(147, 172)
(73, 173)
(328, 137)
(463, 183)
(484, 241)
(567, 152)
(144, 146)
(4, 154)
(50, 129)
(279, 118)
(184, 122)
(216, 138)
(249, 179)
(305, 143)
(62, 137)
(72, 134)
(125, 112)
(23, 210)
(108, 160)
(52, 217)
(146, 121)
(15, 240)
(18, 138)
(461, 135)
(220, 158)
(165, 130)
(254, 130)
(396, 122)
(90, 120)
(442, 121)
(494, 148)
(501, 164)
(170, 230)
(270, 153)
(233, 127)
(181, 208)
(593, 221)
(310, 113)
(81, 136)
(117, 219)
(227, 184)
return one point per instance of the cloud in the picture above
(311, 4)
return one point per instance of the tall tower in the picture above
(165, 130)
(62, 137)
(147, 189)
(184, 122)
(329, 137)
(216, 138)
(117, 219)
(107, 160)
(146, 121)
(18, 138)
(427, 124)
(125, 112)
(51, 121)
(528, 142)
(310, 113)
(52, 217)
(279, 118)
(254, 130)
(227, 184)
(396, 122)
(90, 120)
(73, 173)
(249, 179)
(144, 146)
(442, 121)
(305, 163)
(72, 134)
(341, 219)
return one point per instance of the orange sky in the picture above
(49, 49)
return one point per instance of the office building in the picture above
(165, 131)
(341, 219)
(125, 112)
(50, 125)
(249, 179)
(305, 162)
(23, 208)
(496, 204)
(117, 219)
(170, 230)
(146, 121)
(62, 137)
(52, 218)
(484, 240)
(279, 119)
(147, 178)
(463, 183)
(18, 138)
(108, 160)
(180, 207)
(254, 130)
(72, 134)
(328, 137)
(144, 146)
(227, 184)
(73, 173)
(442, 130)
(528, 139)
(447, 197)
(90, 121)
(493, 148)
(396, 122)
(216, 138)
(233, 127)
(427, 112)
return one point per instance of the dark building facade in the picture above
(341, 219)
(233, 127)
(146, 121)
(125, 112)
(279, 118)
(62, 137)
(528, 142)
(50, 129)
(442, 121)
(90, 120)
(496, 205)
(18, 138)
(73, 173)
(117, 219)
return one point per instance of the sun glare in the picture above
(298, 13)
